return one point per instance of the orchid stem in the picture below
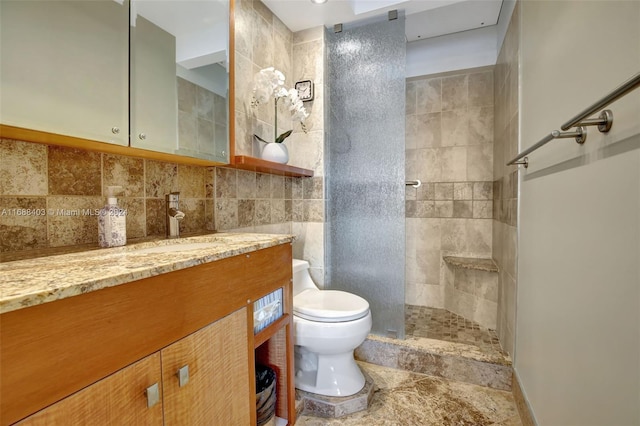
(275, 123)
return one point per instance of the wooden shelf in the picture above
(271, 329)
(254, 164)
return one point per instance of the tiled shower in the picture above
(449, 148)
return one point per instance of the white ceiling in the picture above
(424, 18)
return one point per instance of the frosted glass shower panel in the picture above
(366, 236)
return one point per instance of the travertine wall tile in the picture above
(23, 223)
(126, 172)
(74, 220)
(156, 222)
(23, 168)
(195, 219)
(455, 93)
(450, 138)
(429, 95)
(226, 183)
(160, 178)
(60, 217)
(191, 180)
(505, 185)
(136, 220)
(74, 171)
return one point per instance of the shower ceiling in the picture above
(424, 18)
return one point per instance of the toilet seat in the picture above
(329, 306)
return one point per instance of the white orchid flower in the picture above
(269, 82)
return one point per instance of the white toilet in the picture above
(328, 326)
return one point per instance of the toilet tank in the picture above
(301, 278)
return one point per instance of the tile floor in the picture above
(405, 398)
(411, 399)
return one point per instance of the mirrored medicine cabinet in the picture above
(149, 74)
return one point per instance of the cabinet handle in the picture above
(183, 375)
(153, 395)
(142, 136)
(115, 130)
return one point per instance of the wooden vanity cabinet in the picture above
(117, 399)
(214, 362)
(216, 359)
(89, 359)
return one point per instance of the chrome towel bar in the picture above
(615, 94)
(580, 135)
(581, 120)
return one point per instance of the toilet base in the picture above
(330, 375)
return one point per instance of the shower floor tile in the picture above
(440, 324)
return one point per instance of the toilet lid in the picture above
(329, 306)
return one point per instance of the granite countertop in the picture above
(31, 282)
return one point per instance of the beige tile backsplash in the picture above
(49, 195)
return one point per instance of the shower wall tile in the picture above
(481, 89)
(455, 93)
(450, 148)
(429, 95)
(505, 180)
(454, 163)
(482, 209)
(480, 125)
(428, 130)
(23, 168)
(455, 127)
(479, 162)
(410, 92)
(463, 190)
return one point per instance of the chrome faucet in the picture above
(174, 216)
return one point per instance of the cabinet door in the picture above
(154, 102)
(119, 399)
(64, 67)
(217, 389)
(179, 77)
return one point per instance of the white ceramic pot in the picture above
(276, 152)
